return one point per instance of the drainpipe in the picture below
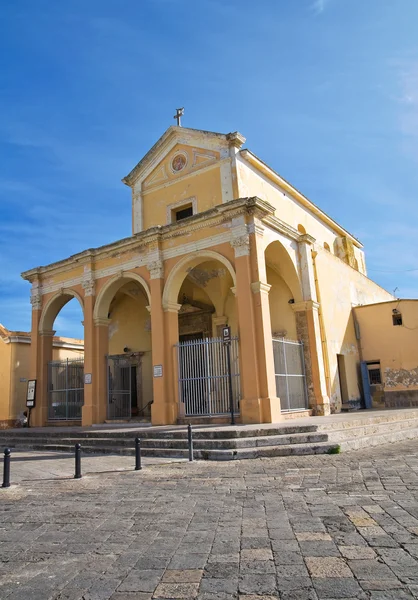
(322, 328)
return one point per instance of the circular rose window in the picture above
(179, 162)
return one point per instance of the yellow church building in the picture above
(218, 238)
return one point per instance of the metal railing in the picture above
(65, 389)
(203, 377)
(289, 368)
(119, 373)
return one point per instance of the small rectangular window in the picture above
(375, 377)
(397, 318)
(183, 213)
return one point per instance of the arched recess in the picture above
(107, 293)
(182, 269)
(54, 305)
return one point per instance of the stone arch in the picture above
(54, 305)
(106, 294)
(278, 258)
(178, 273)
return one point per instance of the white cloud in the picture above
(319, 6)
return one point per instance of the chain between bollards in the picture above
(190, 440)
(6, 468)
(138, 465)
(77, 449)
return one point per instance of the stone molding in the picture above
(47, 333)
(258, 287)
(89, 286)
(171, 307)
(101, 321)
(305, 305)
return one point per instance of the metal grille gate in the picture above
(289, 368)
(203, 376)
(65, 389)
(119, 387)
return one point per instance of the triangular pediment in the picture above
(180, 151)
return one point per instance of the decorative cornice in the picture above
(305, 305)
(259, 286)
(307, 239)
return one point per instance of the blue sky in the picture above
(325, 91)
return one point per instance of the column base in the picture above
(87, 416)
(260, 410)
(322, 408)
(163, 414)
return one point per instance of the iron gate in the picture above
(65, 389)
(119, 387)
(203, 377)
(289, 368)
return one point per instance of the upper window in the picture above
(183, 212)
(397, 318)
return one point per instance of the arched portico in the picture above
(197, 301)
(123, 348)
(54, 305)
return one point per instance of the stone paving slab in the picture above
(289, 528)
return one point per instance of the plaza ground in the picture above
(288, 528)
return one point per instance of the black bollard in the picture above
(6, 468)
(190, 439)
(77, 461)
(138, 465)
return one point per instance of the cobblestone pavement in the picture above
(302, 528)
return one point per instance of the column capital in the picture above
(305, 305)
(307, 239)
(171, 307)
(47, 332)
(101, 321)
(36, 301)
(259, 287)
(233, 290)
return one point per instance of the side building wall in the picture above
(392, 349)
(339, 289)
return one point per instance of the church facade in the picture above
(218, 239)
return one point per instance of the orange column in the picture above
(35, 352)
(308, 325)
(45, 356)
(250, 407)
(89, 411)
(101, 348)
(159, 360)
(170, 408)
(271, 409)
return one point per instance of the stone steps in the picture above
(317, 436)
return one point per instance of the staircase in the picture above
(317, 435)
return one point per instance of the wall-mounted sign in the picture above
(31, 393)
(158, 370)
(226, 334)
(87, 377)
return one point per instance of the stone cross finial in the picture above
(178, 115)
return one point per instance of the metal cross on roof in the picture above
(178, 115)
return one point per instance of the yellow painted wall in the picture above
(205, 187)
(130, 327)
(289, 210)
(342, 287)
(283, 323)
(395, 346)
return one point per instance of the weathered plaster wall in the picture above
(342, 287)
(396, 347)
(130, 327)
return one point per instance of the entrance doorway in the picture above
(203, 375)
(123, 388)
